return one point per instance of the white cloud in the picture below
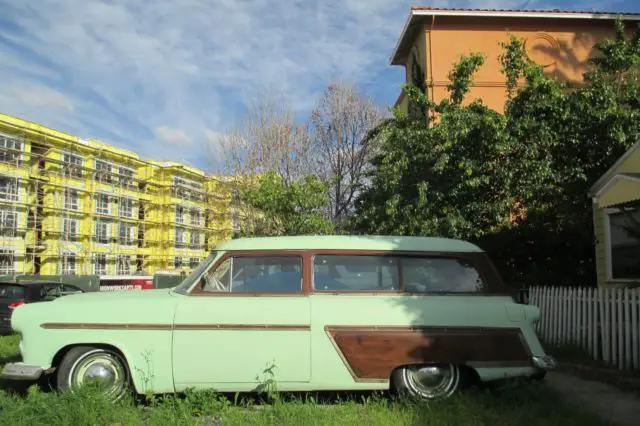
(38, 96)
(171, 136)
(123, 69)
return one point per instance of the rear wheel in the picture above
(428, 381)
(85, 364)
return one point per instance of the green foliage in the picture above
(461, 76)
(516, 183)
(418, 77)
(294, 209)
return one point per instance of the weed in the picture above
(520, 404)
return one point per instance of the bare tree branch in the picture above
(340, 125)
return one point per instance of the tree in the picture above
(287, 209)
(515, 183)
(340, 124)
(442, 178)
(267, 139)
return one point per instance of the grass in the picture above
(531, 404)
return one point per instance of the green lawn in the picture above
(523, 404)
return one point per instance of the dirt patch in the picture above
(605, 400)
(625, 380)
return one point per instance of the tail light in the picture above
(15, 304)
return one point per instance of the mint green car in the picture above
(423, 316)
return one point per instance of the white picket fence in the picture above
(604, 322)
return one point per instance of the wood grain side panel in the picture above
(371, 353)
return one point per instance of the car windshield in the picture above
(12, 292)
(193, 277)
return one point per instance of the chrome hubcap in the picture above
(432, 381)
(102, 367)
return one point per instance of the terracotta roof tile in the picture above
(480, 10)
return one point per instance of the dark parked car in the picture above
(14, 294)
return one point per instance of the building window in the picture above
(624, 244)
(71, 199)
(100, 264)
(8, 189)
(70, 229)
(235, 222)
(125, 234)
(103, 232)
(196, 217)
(10, 150)
(7, 262)
(125, 207)
(103, 171)
(68, 264)
(8, 223)
(126, 176)
(194, 240)
(187, 189)
(72, 165)
(180, 213)
(103, 204)
(180, 237)
(123, 265)
(194, 262)
(177, 262)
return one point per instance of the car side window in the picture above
(69, 289)
(256, 274)
(440, 275)
(355, 273)
(50, 291)
(267, 274)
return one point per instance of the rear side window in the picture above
(355, 273)
(12, 292)
(440, 275)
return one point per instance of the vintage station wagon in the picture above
(420, 315)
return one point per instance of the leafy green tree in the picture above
(515, 183)
(293, 209)
(440, 178)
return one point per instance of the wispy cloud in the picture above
(178, 72)
(172, 136)
(37, 96)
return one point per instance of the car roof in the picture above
(350, 242)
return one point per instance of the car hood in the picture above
(135, 307)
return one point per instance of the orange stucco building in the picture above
(433, 39)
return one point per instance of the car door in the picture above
(247, 322)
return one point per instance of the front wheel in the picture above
(85, 364)
(430, 381)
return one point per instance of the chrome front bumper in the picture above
(545, 362)
(20, 371)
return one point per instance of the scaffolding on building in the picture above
(50, 198)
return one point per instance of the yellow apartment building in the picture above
(74, 207)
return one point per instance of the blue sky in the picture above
(164, 77)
